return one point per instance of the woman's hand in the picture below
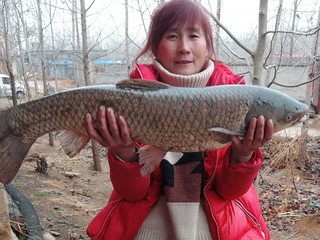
(259, 132)
(111, 132)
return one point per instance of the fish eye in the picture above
(288, 116)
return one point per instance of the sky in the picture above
(240, 17)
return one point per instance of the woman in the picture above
(190, 195)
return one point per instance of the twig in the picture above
(292, 234)
(293, 181)
(297, 85)
(307, 33)
(251, 53)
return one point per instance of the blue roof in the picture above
(61, 62)
(103, 62)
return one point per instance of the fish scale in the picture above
(161, 116)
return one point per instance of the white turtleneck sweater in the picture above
(195, 80)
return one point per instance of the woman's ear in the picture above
(208, 54)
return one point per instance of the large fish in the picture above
(161, 116)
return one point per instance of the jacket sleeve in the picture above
(144, 71)
(232, 180)
(127, 180)
(222, 75)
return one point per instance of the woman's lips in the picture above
(183, 62)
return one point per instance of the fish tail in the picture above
(12, 151)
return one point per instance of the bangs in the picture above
(180, 13)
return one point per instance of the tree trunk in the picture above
(7, 46)
(53, 50)
(43, 61)
(28, 49)
(217, 47)
(295, 7)
(273, 43)
(85, 53)
(127, 37)
(76, 43)
(95, 145)
(19, 20)
(21, 56)
(258, 55)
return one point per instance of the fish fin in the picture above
(226, 131)
(151, 158)
(142, 85)
(12, 151)
(72, 142)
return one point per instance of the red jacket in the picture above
(230, 200)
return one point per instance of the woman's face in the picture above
(183, 50)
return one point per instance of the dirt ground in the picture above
(65, 204)
(71, 193)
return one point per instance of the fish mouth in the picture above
(301, 118)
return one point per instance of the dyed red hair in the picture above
(177, 12)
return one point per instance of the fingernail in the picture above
(88, 115)
(101, 108)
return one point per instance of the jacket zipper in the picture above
(117, 202)
(251, 216)
(204, 193)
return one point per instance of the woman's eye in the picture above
(172, 36)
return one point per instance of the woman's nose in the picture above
(183, 47)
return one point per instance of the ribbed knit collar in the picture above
(195, 80)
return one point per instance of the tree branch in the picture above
(230, 50)
(298, 85)
(90, 5)
(307, 33)
(251, 53)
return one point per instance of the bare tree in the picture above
(20, 24)
(7, 38)
(217, 26)
(77, 59)
(261, 44)
(52, 11)
(28, 48)
(76, 36)
(86, 72)
(273, 43)
(127, 37)
(257, 55)
(295, 8)
(43, 60)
